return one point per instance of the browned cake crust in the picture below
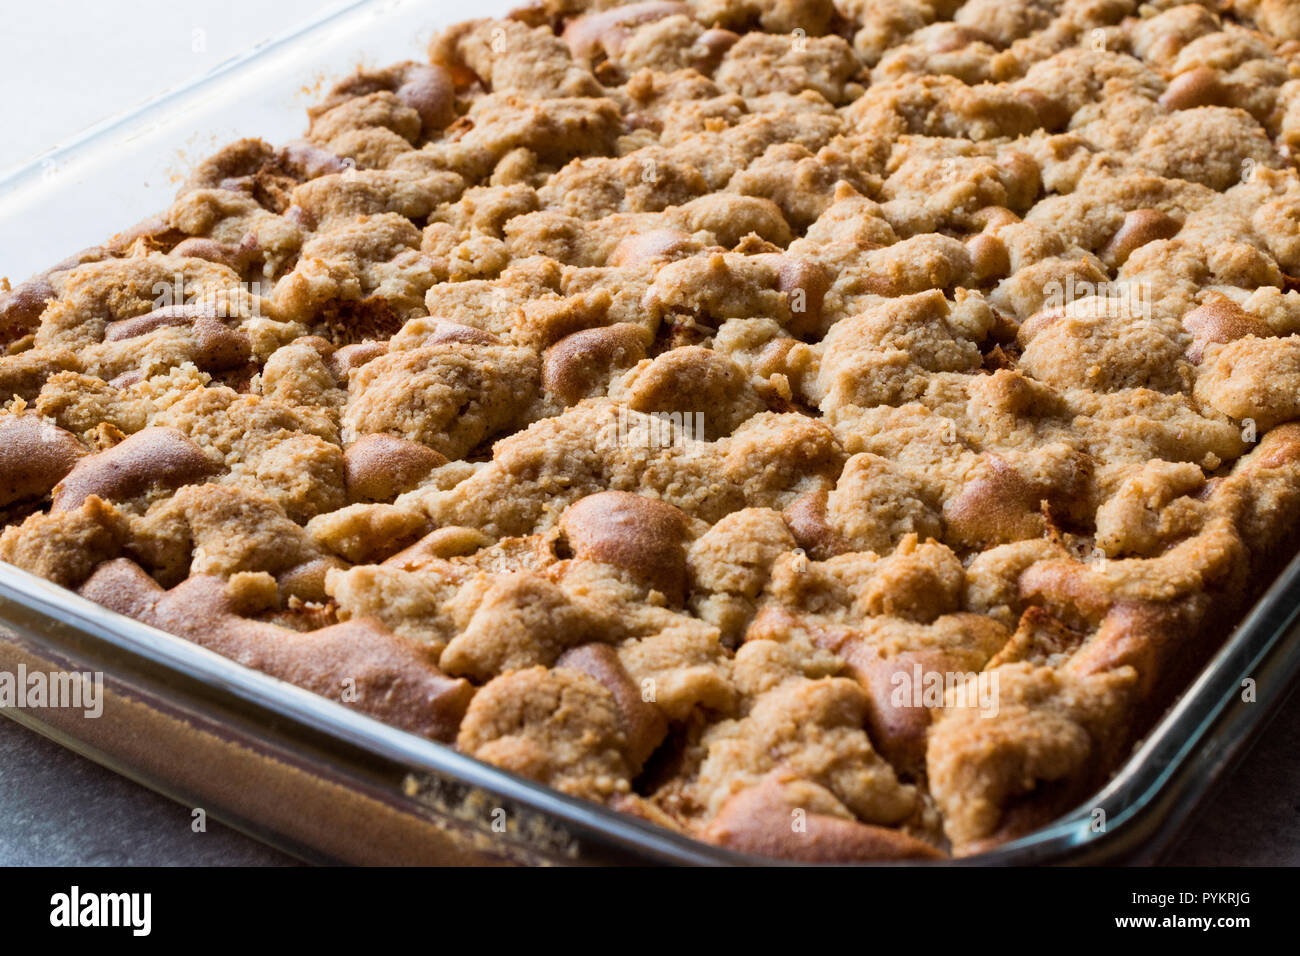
(832, 429)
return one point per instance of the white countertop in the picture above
(66, 65)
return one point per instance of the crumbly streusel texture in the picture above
(643, 397)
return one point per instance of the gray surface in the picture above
(57, 808)
(1254, 817)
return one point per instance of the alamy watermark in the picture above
(918, 687)
(74, 908)
(659, 431)
(1112, 300)
(242, 301)
(70, 690)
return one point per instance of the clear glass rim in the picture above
(52, 615)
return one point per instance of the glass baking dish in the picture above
(327, 783)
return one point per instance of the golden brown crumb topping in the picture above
(830, 428)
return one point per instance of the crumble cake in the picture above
(832, 429)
